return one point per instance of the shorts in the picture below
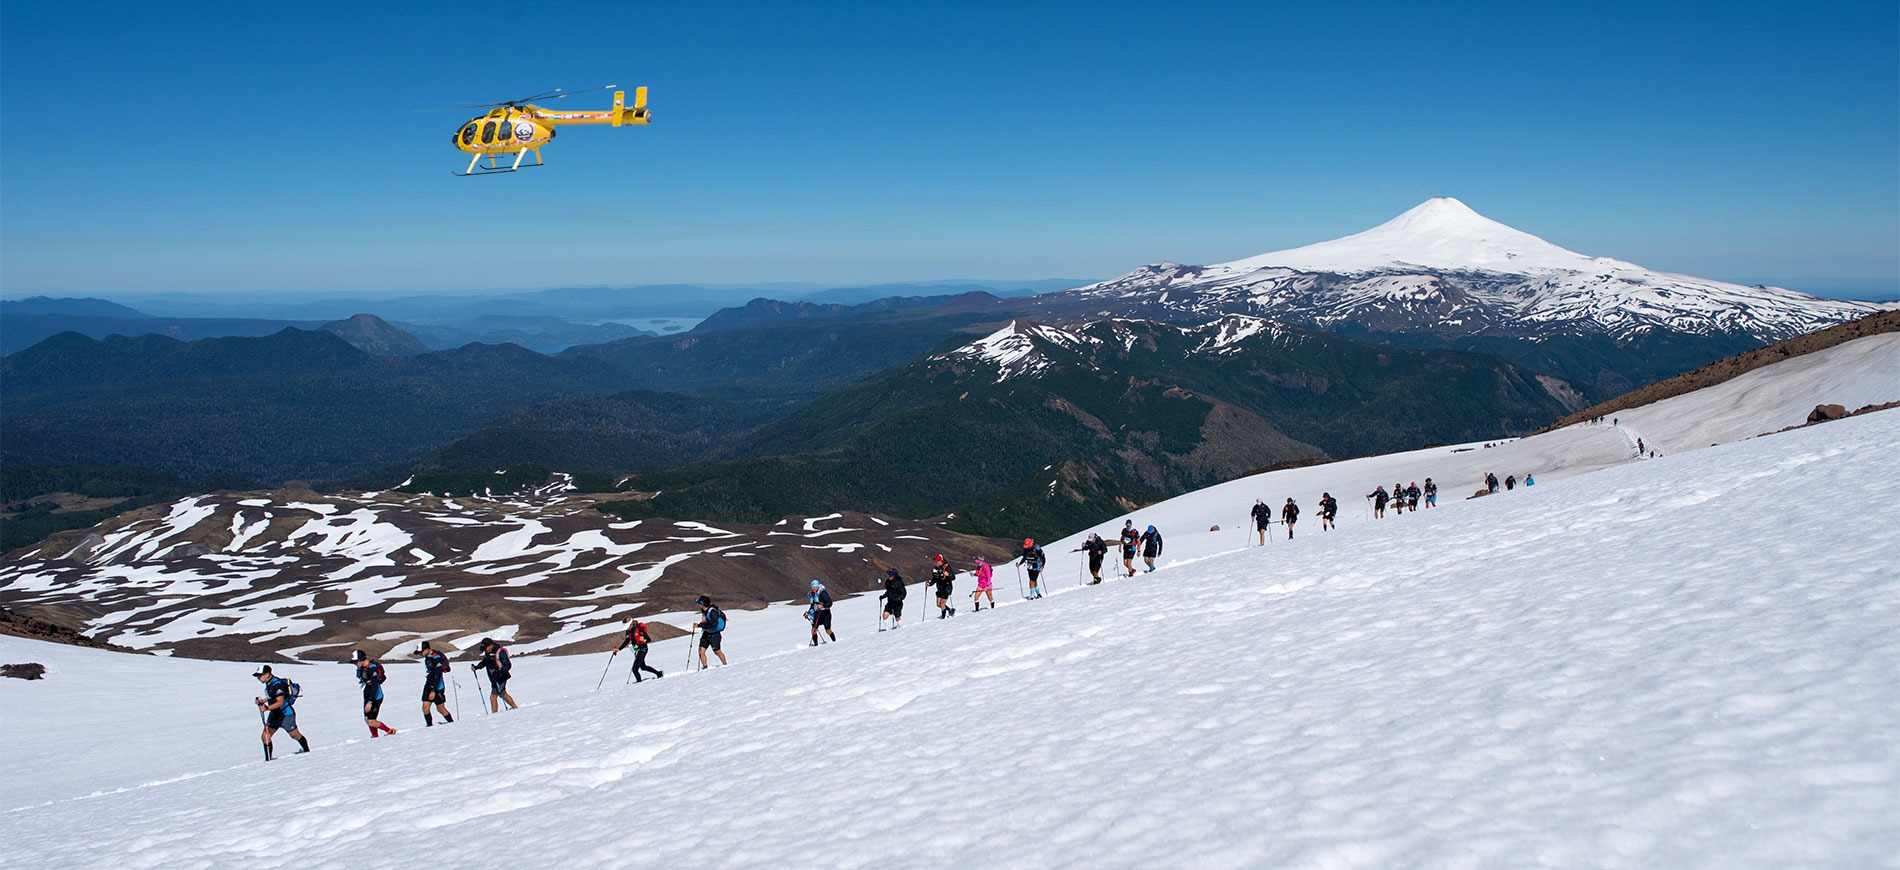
(372, 708)
(709, 640)
(943, 590)
(434, 693)
(821, 619)
(894, 607)
(1128, 553)
(285, 718)
(497, 684)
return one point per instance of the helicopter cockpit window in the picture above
(468, 134)
(488, 133)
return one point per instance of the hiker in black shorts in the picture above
(1097, 550)
(638, 638)
(435, 673)
(943, 576)
(1328, 508)
(1289, 515)
(1262, 518)
(820, 611)
(1131, 540)
(893, 597)
(711, 625)
(495, 662)
(369, 675)
(277, 709)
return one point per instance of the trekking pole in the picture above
(1081, 567)
(603, 671)
(689, 648)
(480, 692)
(1020, 588)
(457, 690)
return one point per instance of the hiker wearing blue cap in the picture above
(820, 611)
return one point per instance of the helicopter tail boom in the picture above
(616, 116)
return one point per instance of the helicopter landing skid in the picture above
(494, 168)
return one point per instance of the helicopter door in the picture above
(488, 132)
(468, 134)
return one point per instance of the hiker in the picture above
(1262, 518)
(1639, 447)
(1398, 499)
(277, 709)
(1131, 540)
(944, 577)
(1529, 480)
(893, 597)
(435, 670)
(1328, 508)
(711, 625)
(1411, 497)
(1491, 482)
(820, 611)
(1431, 493)
(1510, 483)
(1034, 560)
(1150, 547)
(1289, 514)
(370, 675)
(638, 638)
(1097, 550)
(1379, 499)
(495, 662)
(984, 573)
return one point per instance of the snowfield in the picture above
(1690, 661)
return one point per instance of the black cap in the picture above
(702, 601)
(358, 656)
(423, 647)
(891, 571)
(262, 670)
(486, 643)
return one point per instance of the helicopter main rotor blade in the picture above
(556, 94)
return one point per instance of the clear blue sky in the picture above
(246, 146)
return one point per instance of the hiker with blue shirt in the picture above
(370, 675)
(711, 625)
(435, 670)
(820, 611)
(277, 709)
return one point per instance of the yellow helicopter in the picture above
(518, 127)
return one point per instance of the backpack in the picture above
(291, 692)
(640, 634)
(717, 619)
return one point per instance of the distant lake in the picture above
(661, 325)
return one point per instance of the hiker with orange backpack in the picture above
(638, 638)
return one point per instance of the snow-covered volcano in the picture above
(1446, 270)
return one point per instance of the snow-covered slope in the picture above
(1443, 269)
(1656, 664)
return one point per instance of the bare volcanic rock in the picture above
(1822, 413)
(299, 575)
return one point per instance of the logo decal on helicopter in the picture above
(524, 131)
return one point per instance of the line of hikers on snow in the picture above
(277, 707)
